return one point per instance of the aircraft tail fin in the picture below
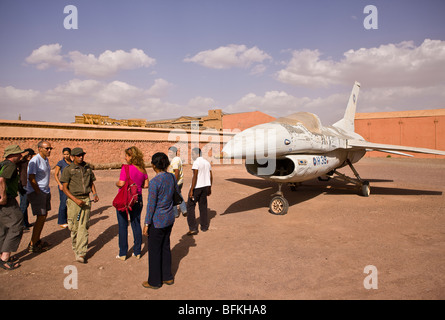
(347, 123)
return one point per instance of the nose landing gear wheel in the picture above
(278, 205)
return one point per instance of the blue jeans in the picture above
(135, 222)
(24, 203)
(62, 216)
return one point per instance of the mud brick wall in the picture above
(104, 145)
(421, 128)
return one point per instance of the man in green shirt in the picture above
(78, 181)
(11, 217)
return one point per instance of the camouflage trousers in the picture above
(78, 224)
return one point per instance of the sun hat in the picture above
(12, 149)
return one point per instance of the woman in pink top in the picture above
(138, 174)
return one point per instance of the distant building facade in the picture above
(215, 119)
(107, 121)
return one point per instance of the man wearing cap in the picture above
(78, 181)
(39, 194)
(11, 218)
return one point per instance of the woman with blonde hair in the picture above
(136, 167)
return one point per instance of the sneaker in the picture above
(80, 259)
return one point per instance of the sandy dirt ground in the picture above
(317, 251)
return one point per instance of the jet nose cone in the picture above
(256, 142)
(237, 147)
(222, 155)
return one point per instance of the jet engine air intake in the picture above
(283, 167)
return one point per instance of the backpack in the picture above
(127, 195)
(13, 185)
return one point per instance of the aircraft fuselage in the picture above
(297, 148)
(293, 149)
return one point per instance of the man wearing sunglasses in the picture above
(38, 193)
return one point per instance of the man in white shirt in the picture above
(38, 193)
(176, 168)
(201, 188)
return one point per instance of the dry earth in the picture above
(317, 251)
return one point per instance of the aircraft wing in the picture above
(388, 147)
(392, 152)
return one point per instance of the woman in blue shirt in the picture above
(159, 222)
(62, 219)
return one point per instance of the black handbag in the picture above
(177, 198)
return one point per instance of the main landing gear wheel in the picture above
(362, 185)
(366, 189)
(279, 205)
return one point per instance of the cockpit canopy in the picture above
(309, 120)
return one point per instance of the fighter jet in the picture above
(298, 148)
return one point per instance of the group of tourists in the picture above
(27, 173)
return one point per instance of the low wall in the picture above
(105, 145)
(412, 129)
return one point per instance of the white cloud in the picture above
(201, 103)
(107, 64)
(306, 69)
(15, 102)
(402, 98)
(152, 108)
(121, 100)
(46, 56)
(402, 64)
(77, 87)
(116, 99)
(258, 69)
(393, 77)
(160, 88)
(276, 103)
(11, 94)
(230, 56)
(331, 108)
(119, 93)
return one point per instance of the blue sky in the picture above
(163, 59)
